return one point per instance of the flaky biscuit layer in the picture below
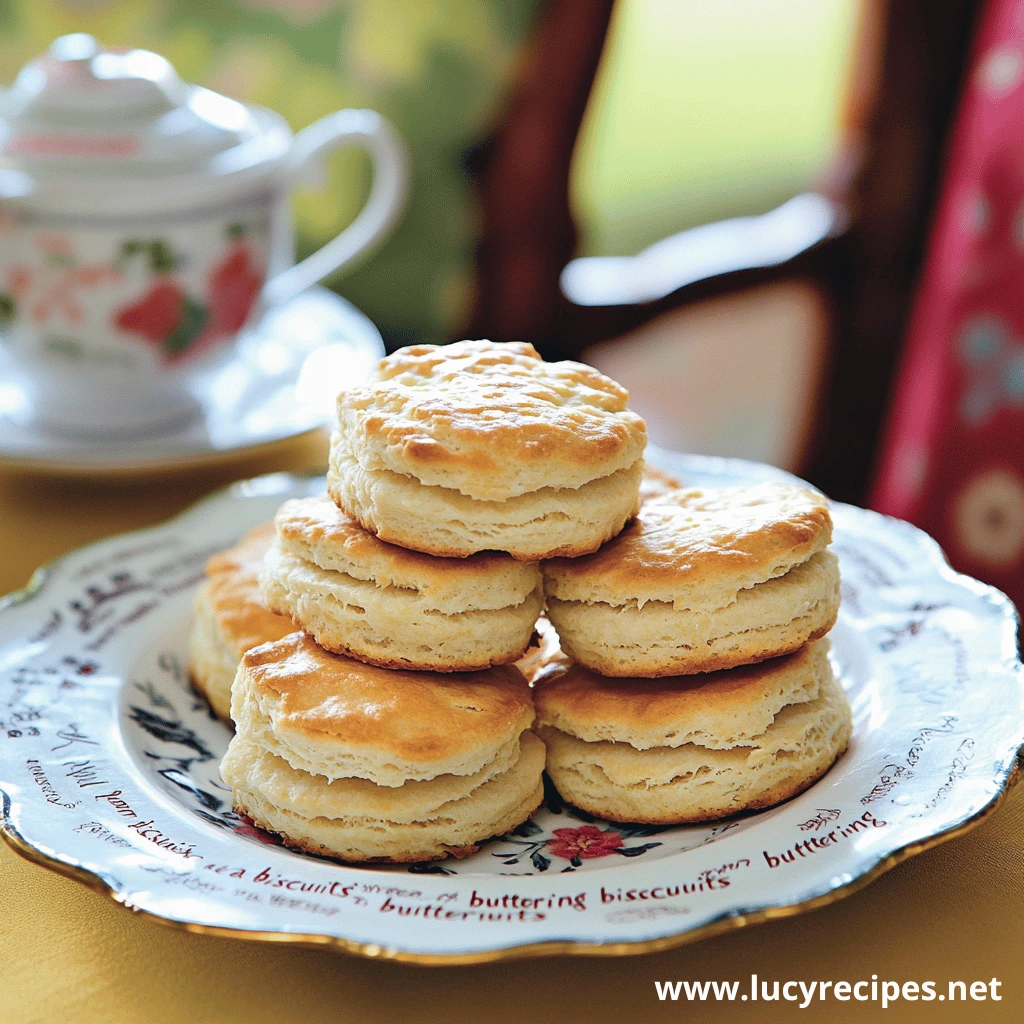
(212, 661)
(389, 626)
(317, 531)
(717, 710)
(282, 800)
(230, 617)
(312, 796)
(256, 727)
(764, 621)
(676, 785)
(441, 521)
(234, 594)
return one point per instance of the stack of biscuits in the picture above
(470, 487)
(394, 724)
(698, 683)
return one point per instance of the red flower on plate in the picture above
(584, 842)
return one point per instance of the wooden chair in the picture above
(854, 246)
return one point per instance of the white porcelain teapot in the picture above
(144, 222)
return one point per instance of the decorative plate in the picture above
(280, 380)
(108, 765)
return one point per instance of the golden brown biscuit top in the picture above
(698, 548)
(414, 716)
(233, 587)
(712, 709)
(491, 420)
(317, 530)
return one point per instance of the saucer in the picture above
(280, 380)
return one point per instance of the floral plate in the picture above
(108, 765)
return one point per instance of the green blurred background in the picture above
(702, 109)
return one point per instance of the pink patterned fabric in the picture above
(953, 458)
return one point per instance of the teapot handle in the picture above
(367, 129)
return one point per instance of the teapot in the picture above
(145, 223)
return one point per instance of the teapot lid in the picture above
(89, 110)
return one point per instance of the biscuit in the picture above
(336, 717)
(230, 617)
(701, 580)
(363, 763)
(483, 446)
(441, 521)
(712, 709)
(351, 819)
(379, 603)
(491, 420)
(711, 762)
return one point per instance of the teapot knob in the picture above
(74, 47)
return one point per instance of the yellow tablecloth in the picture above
(68, 954)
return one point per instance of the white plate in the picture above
(108, 765)
(280, 380)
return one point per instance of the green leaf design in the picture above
(66, 348)
(540, 862)
(635, 851)
(59, 260)
(528, 828)
(161, 257)
(193, 320)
